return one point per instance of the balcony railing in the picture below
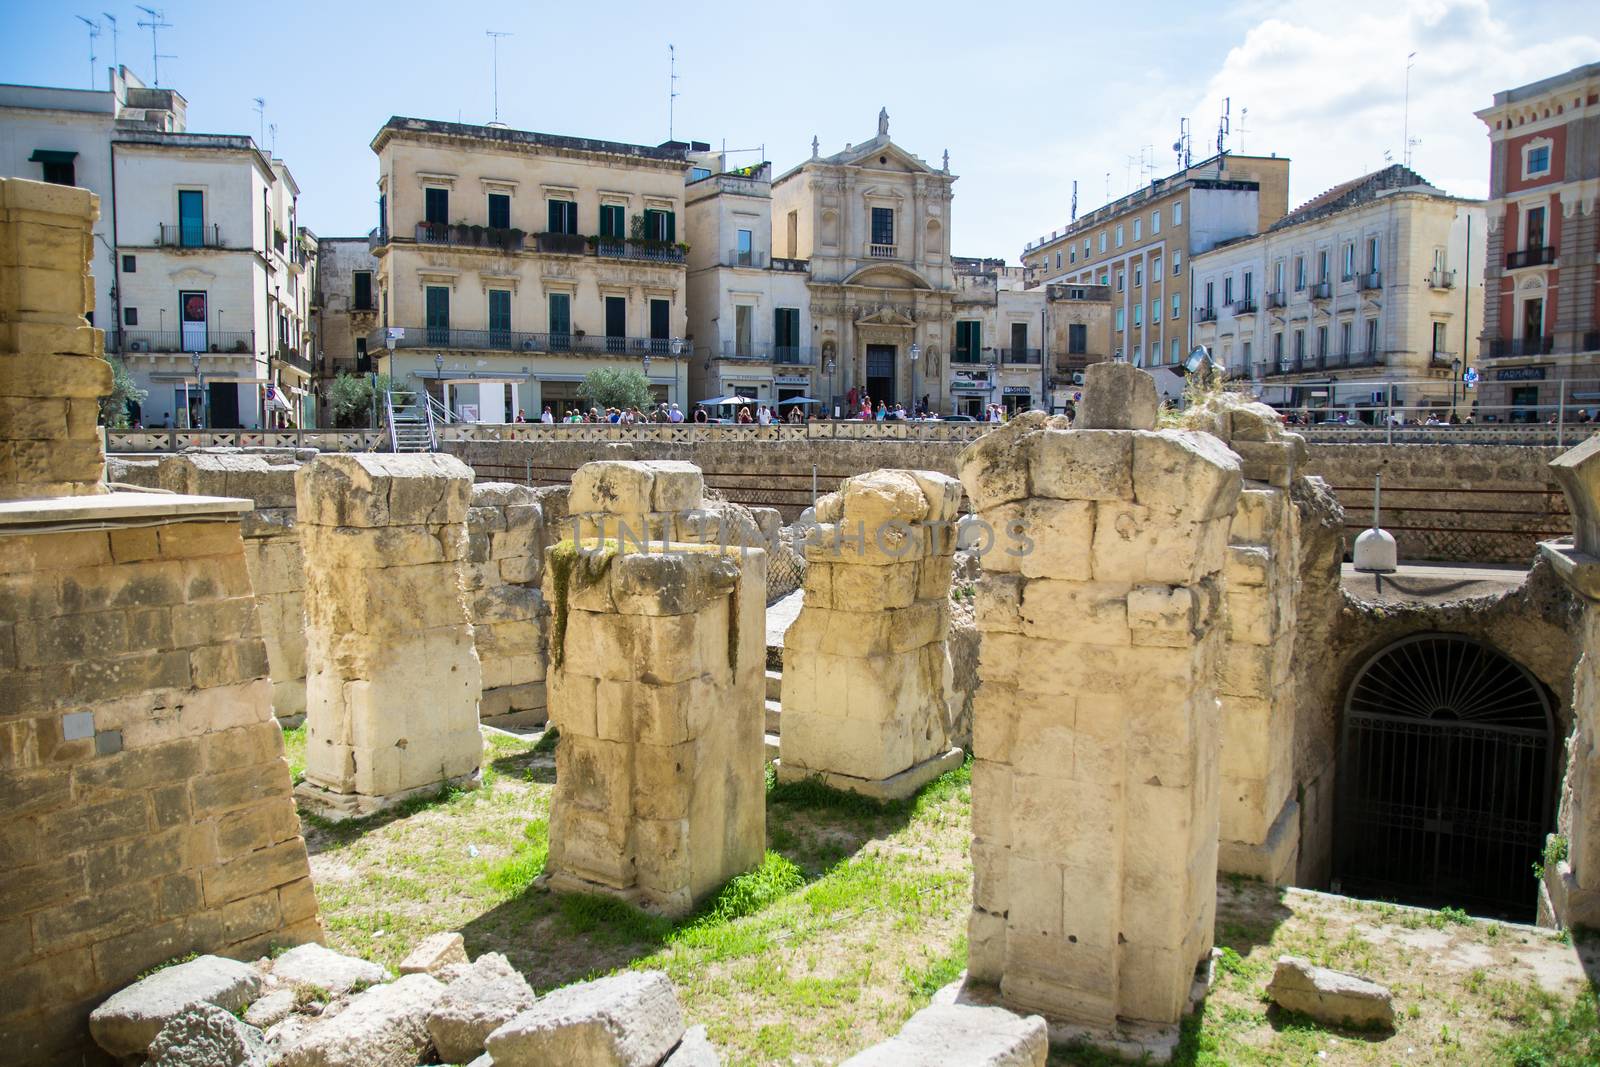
(1442, 279)
(1522, 346)
(1440, 360)
(1019, 357)
(967, 356)
(377, 237)
(170, 236)
(1205, 314)
(767, 352)
(1310, 364)
(1246, 306)
(745, 258)
(797, 266)
(294, 359)
(650, 253)
(1372, 279)
(881, 251)
(1277, 300)
(567, 244)
(518, 341)
(220, 342)
(492, 237)
(1322, 290)
(1540, 256)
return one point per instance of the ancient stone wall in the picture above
(271, 553)
(51, 371)
(1096, 730)
(147, 802)
(505, 564)
(866, 668)
(392, 674)
(656, 686)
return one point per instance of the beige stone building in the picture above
(512, 263)
(344, 310)
(1376, 283)
(1141, 245)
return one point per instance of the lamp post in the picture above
(828, 369)
(438, 371)
(199, 385)
(916, 352)
(1455, 376)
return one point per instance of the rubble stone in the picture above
(505, 564)
(323, 968)
(385, 1026)
(273, 1008)
(476, 1004)
(627, 1020)
(208, 1036)
(1330, 996)
(962, 1035)
(129, 1021)
(1117, 396)
(435, 952)
(695, 1050)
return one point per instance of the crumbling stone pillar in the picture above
(271, 553)
(866, 669)
(392, 675)
(52, 375)
(505, 563)
(1095, 791)
(656, 683)
(1570, 892)
(1260, 819)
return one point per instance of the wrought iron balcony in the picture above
(875, 251)
(1440, 360)
(294, 359)
(377, 237)
(967, 356)
(1019, 357)
(1322, 290)
(444, 337)
(1522, 346)
(1537, 256)
(767, 352)
(1372, 279)
(745, 258)
(1277, 300)
(1205, 314)
(566, 244)
(1246, 306)
(218, 342)
(495, 238)
(649, 252)
(180, 236)
(1365, 359)
(1442, 279)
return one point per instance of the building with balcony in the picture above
(344, 309)
(510, 264)
(873, 224)
(749, 313)
(1140, 247)
(1541, 324)
(1361, 295)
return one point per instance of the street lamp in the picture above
(646, 362)
(199, 385)
(438, 372)
(828, 369)
(1455, 376)
(994, 394)
(916, 351)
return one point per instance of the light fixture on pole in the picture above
(199, 387)
(1455, 376)
(646, 362)
(438, 372)
(916, 352)
(828, 368)
(1199, 356)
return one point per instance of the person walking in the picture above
(546, 417)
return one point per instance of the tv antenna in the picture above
(672, 86)
(1074, 200)
(158, 22)
(272, 131)
(1224, 125)
(1183, 147)
(1244, 113)
(261, 120)
(109, 17)
(1405, 135)
(94, 31)
(494, 36)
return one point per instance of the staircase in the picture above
(411, 423)
(774, 690)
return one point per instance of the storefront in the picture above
(1016, 398)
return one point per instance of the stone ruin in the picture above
(392, 672)
(656, 683)
(148, 806)
(1095, 795)
(866, 669)
(505, 566)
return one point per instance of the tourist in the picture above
(763, 416)
(883, 410)
(674, 415)
(795, 414)
(700, 415)
(744, 416)
(546, 417)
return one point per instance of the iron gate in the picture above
(1445, 781)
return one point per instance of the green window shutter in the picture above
(672, 225)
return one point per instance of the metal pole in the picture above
(1561, 412)
(1377, 493)
(1388, 415)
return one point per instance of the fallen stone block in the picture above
(627, 1020)
(1330, 996)
(323, 968)
(435, 952)
(273, 1008)
(386, 1026)
(695, 1050)
(126, 1024)
(962, 1035)
(208, 1036)
(476, 1004)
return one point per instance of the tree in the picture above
(124, 391)
(350, 396)
(610, 387)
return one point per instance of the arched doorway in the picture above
(1445, 779)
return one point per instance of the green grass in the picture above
(515, 873)
(1549, 1033)
(294, 749)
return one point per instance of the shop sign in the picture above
(1015, 390)
(1520, 374)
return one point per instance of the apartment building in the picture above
(1141, 245)
(749, 311)
(1365, 296)
(344, 307)
(1541, 323)
(511, 263)
(872, 223)
(199, 255)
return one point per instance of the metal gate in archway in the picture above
(1445, 779)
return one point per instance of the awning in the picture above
(505, 377)
(970, 387)
(51, 155)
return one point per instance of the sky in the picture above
(1027, 98)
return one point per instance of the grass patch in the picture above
(923, 982)
(547, 741)
(294, 749)
(513, 874)
(1552, 1034)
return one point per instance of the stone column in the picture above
(52, 375)
(866, 667)
(1570, 893)
(1095, 792)
(656, 684)
(505, 563)
(392, 675)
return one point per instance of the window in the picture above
(500, 211)
(1155, 222)
(883, 225)
(1277, 277)
(1322, 266)
(1174, 357)
(362, 292)
(661, 323)
(1077, 338)
(1122, 280)
(1177, 264)
(744, 248)
(1372, 254)
(1105, 278)
(130, 316)
(786, 333)
(130, 264)
(1177, 306)
(1086, 248)
(56, 167)
(1019, 339)
(1249, 285)
(1072, 256)
(1227, 291)
(1138, 356)
(1534, 229)
(969, 341)
(1438, 337)
(438, 314)
(1372, 335)
(1244, 356)
(436, 206)
(1138, 229)
(612, 221)
(500, 317)
(1344, 338)
(1438, 260)
(699, 174)
(659, 225)
(1058, 261)
(191, 218)
(1138, 275)
(616, 323)
(560, 319)
(1299, 273)
(561, 216)
(1119, 320)
(1102, 242)
(1349, 261)
(1211, 295)
(1138, 314)
(1535, 159)
(1119, 235)
(1177, 213)
(1277, 349)
(1299, 345)
(743, 329)
(1155, 270)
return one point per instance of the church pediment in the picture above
(888, 276)
(884, 315)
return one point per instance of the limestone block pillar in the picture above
(656, 684)
(392, 674)
(1570, 893)
(505, 563)
(1260, 822)
(866, 665)
(1096, 726)
(52, 375)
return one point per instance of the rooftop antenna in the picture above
(494, 36)
(158, 21)
(1147, 163)
(261, 120)
(1223, 125)
(1244, 113)
(1108, 187)
(1183, 146)
(272, 131)
(1405, 136)
(109, 17)
(672, 86)
(1074, 200)
(94, 31)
